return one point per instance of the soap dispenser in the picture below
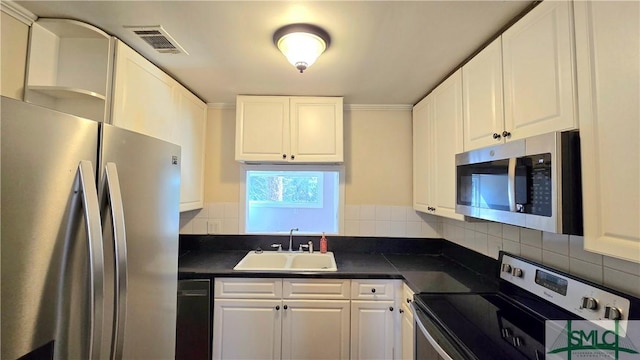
(323, 244)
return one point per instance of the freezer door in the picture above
(149, 178)
(41, 218)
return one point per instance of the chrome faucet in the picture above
(291, 239)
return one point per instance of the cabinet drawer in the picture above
(330, 289)
(373, 289)
(246, 288)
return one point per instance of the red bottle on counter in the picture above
(323, 244)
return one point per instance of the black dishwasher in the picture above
(193, 323)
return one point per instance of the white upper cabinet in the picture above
(262, 128)
(437, 138)
(143, 98)
(148, 101)
(538, 60)
(190, 131)
(446, 137)
(70, 68)
(316, 129)
(282, 129)
(422, 114)
(482, 98)
(608, 58)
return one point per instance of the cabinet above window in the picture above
(283, 129)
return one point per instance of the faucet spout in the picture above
(291, 238)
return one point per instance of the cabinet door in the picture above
(407, 333)
(247, 329)
(315, 329)
(482, 98)
(316, 129)
(262, 128)
(608, 54)
(446, 139)
(190, 127)
(538, 72)
(372, 329)
(422, 113)
(143, 96)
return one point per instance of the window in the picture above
(279, 198)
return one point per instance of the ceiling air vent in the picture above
(158, 38)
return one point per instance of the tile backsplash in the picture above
(359, 220)
(564, 252)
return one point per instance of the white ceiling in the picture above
(382, 52)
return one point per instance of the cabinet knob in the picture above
(496, 136)
(408, 301)
(284, 156)
(293, 157)
(285, 307)
(506, 134)
(390, 308)
(277, 307)
(401, 311)
(373, 290)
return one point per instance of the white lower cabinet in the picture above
(374, 314)
(406, 323)
(372, 329)
(261, 318)
(315, 329)
(309, 320)
(247, 329)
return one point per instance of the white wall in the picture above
(378, 177)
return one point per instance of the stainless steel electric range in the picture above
(510, 323)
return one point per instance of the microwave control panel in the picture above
(536, 171)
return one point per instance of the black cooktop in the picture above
(491, 326)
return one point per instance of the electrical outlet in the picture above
(214, 226)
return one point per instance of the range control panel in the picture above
(584, 300)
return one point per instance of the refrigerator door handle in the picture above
(112, 187)
(91, 213)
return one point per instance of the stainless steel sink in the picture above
(286, 261)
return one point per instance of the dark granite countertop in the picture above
(424, 273)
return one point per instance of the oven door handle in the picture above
(417, 314)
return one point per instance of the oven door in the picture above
(430, 343)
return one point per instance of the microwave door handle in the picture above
(511, 188)
(112, 187)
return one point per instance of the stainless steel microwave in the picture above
(533, 183)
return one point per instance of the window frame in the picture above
(242, 211)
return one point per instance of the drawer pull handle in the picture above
(373, 290)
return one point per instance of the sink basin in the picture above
(285, 261)
(314, 261)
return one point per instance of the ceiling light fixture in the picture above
(301, 44)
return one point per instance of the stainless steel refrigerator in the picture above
(89, 238)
